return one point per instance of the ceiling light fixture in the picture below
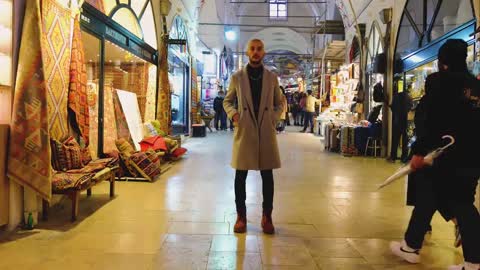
(231, 35)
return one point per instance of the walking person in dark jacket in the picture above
(401, 106)
(220, 115)
(450, 183)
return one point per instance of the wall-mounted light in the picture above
(165, 6)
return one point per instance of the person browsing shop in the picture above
(310, 103)
(260, 104)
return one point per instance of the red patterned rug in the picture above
(29, 153)
(77, 95)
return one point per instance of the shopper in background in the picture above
(449, 109)
(260, 104)
(310, 103)
(282, 124)
(302, 103)
(220, 115)
(296, 110)
(401, 106)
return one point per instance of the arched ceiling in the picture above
(282, 39)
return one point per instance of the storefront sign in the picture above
(92, 23)
(116, 35)
(140, 51)
(177, 41)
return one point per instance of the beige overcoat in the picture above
(255, 141)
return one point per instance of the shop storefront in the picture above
(121, 56)
(420, 36)
(179, 76)
(373, 73)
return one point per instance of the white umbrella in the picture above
(407, 169)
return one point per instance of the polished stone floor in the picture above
(328, 215)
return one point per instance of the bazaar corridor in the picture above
(327, 211)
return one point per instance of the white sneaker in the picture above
(465, 266)
(400, 249)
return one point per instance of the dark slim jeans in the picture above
(458, 196)
(241, 194)
(398, 133)
(222, 118)
(308, 120)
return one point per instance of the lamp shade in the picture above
(165, 7)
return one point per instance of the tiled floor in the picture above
(328, 216)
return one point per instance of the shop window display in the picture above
(92, 56)
(179, 77)
(122, 81)
(124, 71)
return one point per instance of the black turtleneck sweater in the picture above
(255, 76)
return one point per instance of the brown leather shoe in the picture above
(267, 223)
(241, 223)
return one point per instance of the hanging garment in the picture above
(56, 30)
(77, 95)
(29, 161)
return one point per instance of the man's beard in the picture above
(255, 62)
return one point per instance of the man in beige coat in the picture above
(254, 102)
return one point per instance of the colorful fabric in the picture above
(109, 122)
(155, 143)
(56, 54)
(29, 160)
(147, 164)
(151, 92)
(77, 95)
(73, 154)
(124, 147)
(179, 152)
(59, 157)
(123, 131)
(164, 114)
(92, 90)
(149, 130)
(63, 181)
(86, 156)
(157, 125)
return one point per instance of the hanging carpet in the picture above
(29, 152)
(77, 95)
(56, 54)
(109, 123)
(122, 126)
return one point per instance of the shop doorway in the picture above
(179, 76)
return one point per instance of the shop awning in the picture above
(334, 52)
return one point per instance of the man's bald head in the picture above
(255, 52)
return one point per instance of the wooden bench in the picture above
(86, 183)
